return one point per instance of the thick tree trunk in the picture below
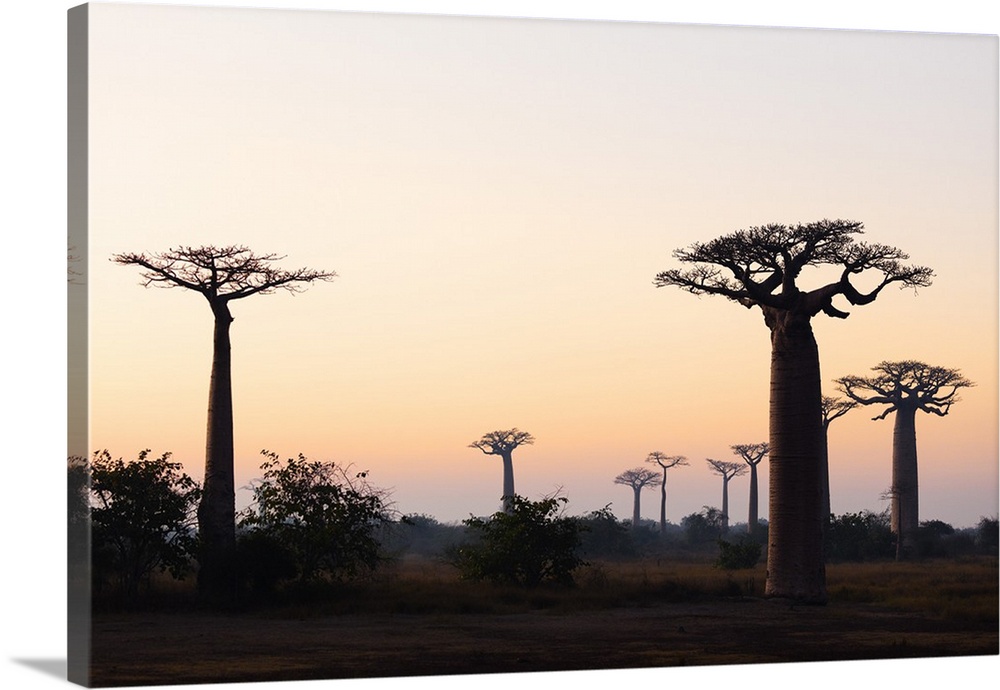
(725, 504)
(508, 481)
(752, 514)
(795, 564)
(635, 508)
(217, 511)
(905, 520)
(663, 504)
(824, 482)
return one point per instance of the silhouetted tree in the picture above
(727, 470)
(221, 275)
(832, 409)
(143, 514)
(752, 454)
(905, 387)
(326, 516)
(637, 478)
(665, 462)
(503, 443)
(529, 543)
(761, 267)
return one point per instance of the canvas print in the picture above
(513, 345)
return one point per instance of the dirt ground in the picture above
(139, 649)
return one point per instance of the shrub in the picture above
(527, 546)
(604, 536)
(143, 519)
(987, 535)
(703, 527)
(860, 536)
(326, 519)
(738, 555)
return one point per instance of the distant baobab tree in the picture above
(503, 443)
(638, 478)
(727, 470)
(905, 387)
(752, 454)
(221, 275)
(761, 267)
(833, 408)
(665, 462)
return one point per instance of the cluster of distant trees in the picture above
(313, 521)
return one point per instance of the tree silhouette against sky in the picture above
(638, 478)
(503, 443)
(727, 470)
(665, 462)
(761, 267)
(905, 387)
(221, 275)
(752, 454)
(833, 408)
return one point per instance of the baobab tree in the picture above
(833, 408)
(905, 387)
(221, 275)
(752, 454)
(503, 443)
(638, 478)
(727, 470)
(665, 462)
(761, 267)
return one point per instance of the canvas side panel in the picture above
(78, 536)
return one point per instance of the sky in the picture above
(34, 177)
(496, 196)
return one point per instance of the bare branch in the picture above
(907, 384)
(639, 477)
(728, 470)
(752, 453)
(504, 441)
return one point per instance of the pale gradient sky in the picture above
(496, 197)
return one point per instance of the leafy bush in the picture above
(703, 527)
(860, 536)
(604, 536)
(987, 535)
(738, 555)
(143, 514)
(529, 545)
(326, 519)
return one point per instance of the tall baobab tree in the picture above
(752, 454)
(727, 470)
(638, 478)
(761, 267)
(665, 462)
(905, 387)
(833, 408)
(221, 275)
(503, 443)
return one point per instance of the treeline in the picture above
(318, 522)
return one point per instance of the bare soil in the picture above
(197, 647)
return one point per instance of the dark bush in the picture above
(738, 555)
(703, 527)
(527, 546)
(604, 536)
(863, 536)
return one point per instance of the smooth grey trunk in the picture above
(795, 563)
(824, 481)
(663, 503)
(725, 503)
(635, 507)
(217, 510)
(904, 521)
(752, 514)
(508, 480)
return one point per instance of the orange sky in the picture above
(496, 197)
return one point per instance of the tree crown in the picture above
(219, 273)
(906, 384)
(503, 441)
(834, 407)
(760, 266)
(666, 461)
(728, 470)
(752, 453)
(639, 477)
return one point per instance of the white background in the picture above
(32, 163)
